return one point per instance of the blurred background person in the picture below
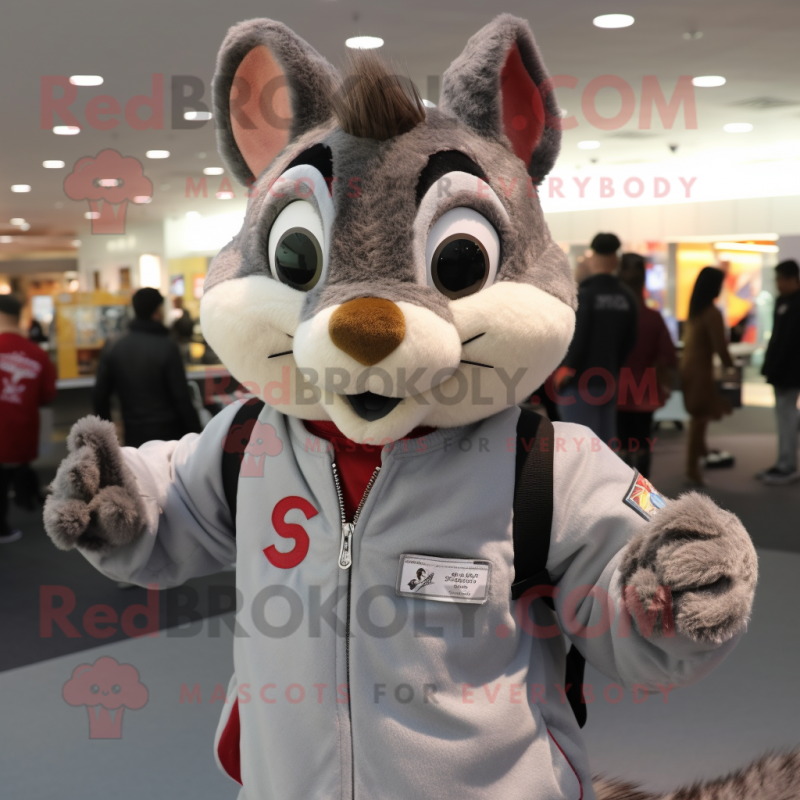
(182, 328)
(652, 364)
(36, 332)
(582, 269)
(27, 381)
(782, 370)
(144, 369)
(703, 336)
(605, 334)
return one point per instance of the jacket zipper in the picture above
(346, 546)
(345, 563)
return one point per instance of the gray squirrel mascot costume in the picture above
(393, 295)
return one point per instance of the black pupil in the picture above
(297, 258)
(461, 265)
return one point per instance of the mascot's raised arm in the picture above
(393, 295)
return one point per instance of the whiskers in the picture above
(285, 352)
(475, 363)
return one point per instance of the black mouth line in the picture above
(284, 353)
(371, 407)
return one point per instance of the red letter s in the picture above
(290, 530)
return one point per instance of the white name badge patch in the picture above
(448, 580)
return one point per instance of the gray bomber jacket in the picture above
(345, 688)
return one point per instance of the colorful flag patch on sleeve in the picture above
(643, 498)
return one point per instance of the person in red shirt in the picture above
(647, 374)
(27, 381)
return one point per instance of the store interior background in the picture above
(673, 185)
(696, 196)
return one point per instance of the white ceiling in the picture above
(752, 44)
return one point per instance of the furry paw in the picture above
(94, 500)
(695, 564)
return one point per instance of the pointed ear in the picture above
(269, 88)
(500, 88)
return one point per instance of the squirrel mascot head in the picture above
(394, 268)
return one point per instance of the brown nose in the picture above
(368, 329)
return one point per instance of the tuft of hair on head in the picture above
(372, 102)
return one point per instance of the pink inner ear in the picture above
(523, 110)
(260, 134)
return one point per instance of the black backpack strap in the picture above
(233, 451)
(532, 528)
(533, 501)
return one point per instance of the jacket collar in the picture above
(148, 326)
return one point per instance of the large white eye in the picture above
(295, 246)
(462, 253)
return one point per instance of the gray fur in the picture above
(705, 556)
(471, 86)
(309, 76)
(373, 232)
(774, 777)
(94, 500)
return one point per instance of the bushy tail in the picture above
(774, 777)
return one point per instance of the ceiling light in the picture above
(20, 187)
(213, 171)
(157, 153)
(708, 81)
(737, 127)
(76, 242)
(745, 247)
(225, 195)
(108, 183)
(53, 164)
(26, 226)
(86, 80)
(142, 198)
(588, 145)
(197, 116)
(364, 42)
(6, 239)
(16, 221)
(66, 130)
(613, 21)
(92, 215)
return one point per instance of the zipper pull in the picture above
(346, 549)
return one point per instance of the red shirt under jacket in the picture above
(355, 462)
(27, 381)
